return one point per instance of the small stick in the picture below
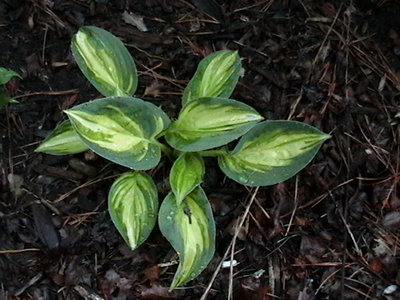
(59, 93)
(253, 197)
(19, 251)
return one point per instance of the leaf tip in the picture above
(236, 54)
(42, 148)
(133, 246)
(70, 113)
(39, 149)
(324, 137)
(327, 136)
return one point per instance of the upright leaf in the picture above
(271, 152)
(133, 205)
(210, 122)
(121, 129)
(62, 141)
(105, 61)
(190, 229)
(216, 76)
(186, 174)
(6, 75)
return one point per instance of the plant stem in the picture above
(213, 153)
(166, 150)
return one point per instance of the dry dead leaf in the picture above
(153, 89)
(135, 20)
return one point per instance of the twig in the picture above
(294, 105)
(327, 279)
(358, 291)
(175, 82)
(327, 34)
(20, 251)
(358, 250)
(86, 294)
(253, 197)
(59, 93)
(31, 282)
(295, 205)
(252, 6)
(48, 11)
(66, 195)
(44, 43)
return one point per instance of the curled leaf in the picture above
(62, 141)
(216, 76)
(105, 61)
(190, 229)
(186, 174)
(121, 129)
(210, 122)
(271, 152)
(133, 205)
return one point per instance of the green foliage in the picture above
(127, 130)
(5, 76)
(216, 76)
(121, 129)
(133, 206)
(105, 61)
(207, 123)
(189, 227)
(186, 174)
(272, 152)
(63, 140)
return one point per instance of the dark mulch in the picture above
(332, 232)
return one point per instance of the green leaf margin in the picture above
(169, 215)
(250, 175)
(182, 136)
(105, 43)
(62, 141)
(135, 193)
(186, 174)
(212, 78)
(149, 117)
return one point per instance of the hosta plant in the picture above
(134, 133)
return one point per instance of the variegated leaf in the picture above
(105, 61)
(216, 76)
(190, 229)
(133, 206)
(210, 122)
(271, 152)
(186, 174)
(121, 129)
(62, 141)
